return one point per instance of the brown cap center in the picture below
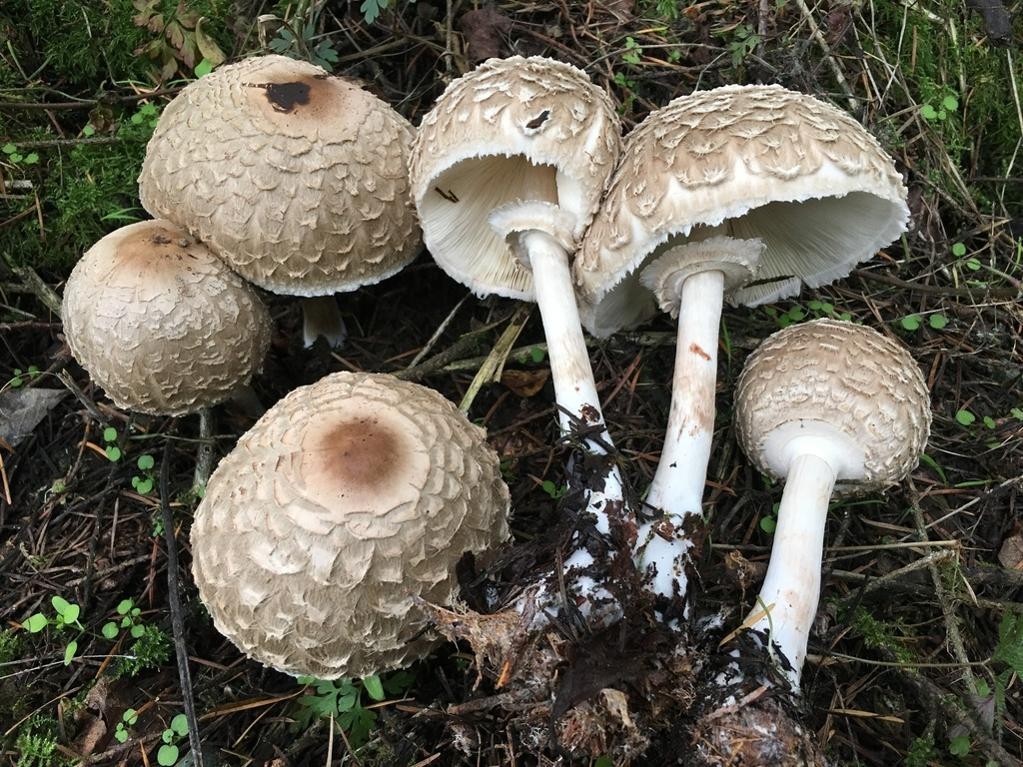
(359, 454)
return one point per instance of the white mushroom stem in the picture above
(692, 280)
(576, 395)
(574, 388)
(321, 317)
(677, 487)
(791, 590)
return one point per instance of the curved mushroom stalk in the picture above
(321, 317)
(820, 403)
(791, 590)
(690, 281)
(539, 234)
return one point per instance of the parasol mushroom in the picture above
(296, 178)
(833, 408)
(507, 170)
(160, 323)
(713, 189)
(346, 501)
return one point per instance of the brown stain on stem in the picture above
(695, 348)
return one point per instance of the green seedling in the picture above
(910, 322)
(19, 377)
(128, 719)
(553, 490)
(147, 114)
(167, 756)
(947, 106)
(744, 41)
(112, 450)
(12, 154)
(959, 250)
(965, 417)
(633, 51)
(630, 87)
(341, 700)
(65, 618)
(143, 483)
(959, 745)
(129, 619)
(769, 522)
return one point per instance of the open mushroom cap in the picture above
(296, 178)
(346, 499)
(757, 162)
(161, 323)
(511, 130)
(838, 381)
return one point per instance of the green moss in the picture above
(880, 635)
(979, 133)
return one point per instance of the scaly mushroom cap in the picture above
(777, 165)
(295, 178)
(512, 129)
(345, 500)
(865, 386)
(160, 323)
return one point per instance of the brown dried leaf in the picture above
(1011, 553)
(525, 383)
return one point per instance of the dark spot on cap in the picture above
(539, 120)
(160, 239)
(361, 453)
(285, 97)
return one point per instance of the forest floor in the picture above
(916, 655)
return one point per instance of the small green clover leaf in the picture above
(958, 250)
(965, 417)
(937, 321)
(910, 322)
(167, 756)
(35, 623)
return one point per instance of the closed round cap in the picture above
(346, 499)
(296, 178)
(160, 323)
(838, 380)
(762, 162)
(512, 130)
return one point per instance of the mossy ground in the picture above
(920, 669)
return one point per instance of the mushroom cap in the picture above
(296, 178)
(864, 386)
(347, 499)
(774, 164)
(507, 131)
(161, 323)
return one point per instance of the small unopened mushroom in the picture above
(507, 170)
(160, 323)
(296, 178)
(833, 408)
(345, 501)
(715, 189)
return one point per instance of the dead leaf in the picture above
(525, 383)
(21, 410)
(207, 45)
(1011, 553)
